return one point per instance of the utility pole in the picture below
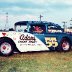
(64, 25)
(71, 21)
(40, 17)
(6, 20)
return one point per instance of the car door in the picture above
(51, 38)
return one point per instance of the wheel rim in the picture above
(5, 48)
(65, 45)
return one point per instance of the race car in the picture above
(32, 36)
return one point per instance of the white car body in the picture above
(28, 42)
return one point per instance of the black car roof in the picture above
(32, 22)
(36, 22)
(21, 23)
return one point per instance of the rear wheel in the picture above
(65, 45)
(6, 47)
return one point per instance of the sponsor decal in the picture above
(51, 41)
(26, 39)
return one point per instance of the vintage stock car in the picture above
(31, 36)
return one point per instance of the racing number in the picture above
(51, 41)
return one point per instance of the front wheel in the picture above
(6, 47)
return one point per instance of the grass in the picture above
(37, 62)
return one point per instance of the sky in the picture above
(55, 11)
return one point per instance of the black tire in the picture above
(65, 45)
(6, 47)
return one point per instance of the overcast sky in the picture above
(20, 10)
